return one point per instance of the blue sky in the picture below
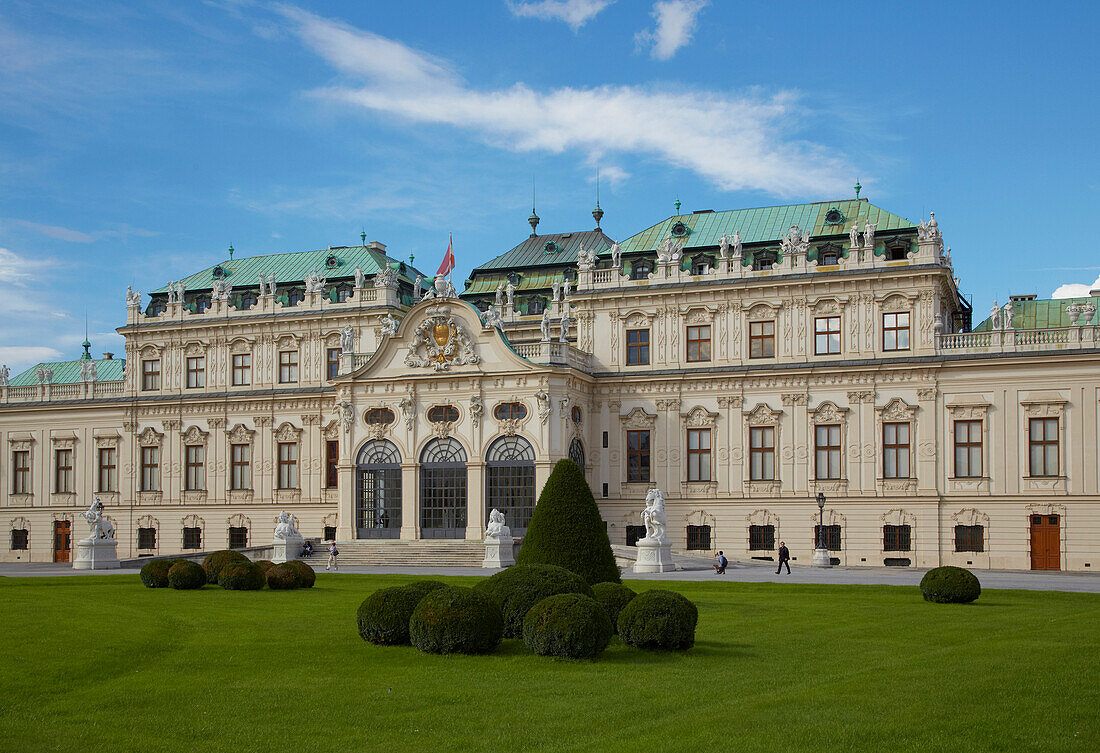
(138, 140)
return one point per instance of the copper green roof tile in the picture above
(68, 372)
(528, 280)
(555, 249)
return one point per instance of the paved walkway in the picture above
(696, 570)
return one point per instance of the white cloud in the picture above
(13, 267)
(612, 175)
(28, 314)
(735, 141)
(576, 13)
(76, 236)
(1074, 290)
(18, 359)
(676, 21)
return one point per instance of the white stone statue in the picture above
(133, 299)
(498, 542)
(360, 277)
(724, 246)
(347, 339)
(654, 518)
(88, 371)
(616, 256)
(542, 397)
(477, 409)
(499, 298)
(271, 283)
(510, 292)
(5, 376)
(345, 414)
(853, 236)
(263, 284)
(220, 290)
(45, 375)
(385, 278)
(566, 287)
(100, 527)
(947, 257)
(869, 235)
(286, 527)
(493, 318)
(418, 288)
(736, 248)
(545, 325)
(677, 252)
(389, 325)
(795, 242)
(664, 251)
(566, 320)
(496, 528)
(315, 283)
(995, 316)
(556, 286)
(585, 259)
(1007, 315)
(171, 286)
(929, 231)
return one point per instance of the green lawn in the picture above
(101, 663)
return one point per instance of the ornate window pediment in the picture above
(831, 517)
(637, 319)
(829, 413)
(106, 438)
(970, 517)
(972, 407)
(287, 342)
(698, 315)
(150, 437)
(65, 440)
(762, 312)
(762, 518)
(240, 345)
(699, 418)
(899, 517)
(194, 348)
(639, 419)
(894, 303)
(1043, 404)
(240, 435)
(828, 307)
(762, 415)
(897, 410)
(287, 432)
(441, 341)
(194, 435)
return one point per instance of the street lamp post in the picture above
(821, 554)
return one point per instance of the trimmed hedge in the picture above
(306, 576)
(185, 575)
(613, 597)
(215, 561)
(454, 620)
(950, 585)
(264, 565)
(567, 530)
(154, 574)
(242, 576)
(571, 626)
(383, 617)
(659, 619)
(282, 577)
(519, 588)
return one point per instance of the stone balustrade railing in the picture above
(42, 393)
(1020, 340)
(554, 353)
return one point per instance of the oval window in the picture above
(510, 411)
(576, 414)
(380, 416)
(443, 414)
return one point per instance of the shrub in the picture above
(613, 597)
(242, 576)
(264, 565)
(383, 617)
(950, 585)
(658, 620)
(566, 529)
(567, 625)
(519, 588)
(154, 574)
(282, 577)
(215, 561)
(184, 574)
(454, 620)
(306, 576)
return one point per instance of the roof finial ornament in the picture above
(362, 237)
(597, 213)
(677, 205)
(858, 187)
(87, 355)
(230, 252)
(534, 218)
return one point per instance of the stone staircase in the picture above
(395, 553)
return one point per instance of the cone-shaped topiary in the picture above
(950, 585)
(571, 626)
(306, 576)
(519, 588)
(383, 617)
(215, 561)
(658, 619)
(154, 574)
(242, 576)
(613, 597)
(185, 575)
(455, 620)
(566, 529)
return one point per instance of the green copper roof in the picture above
(1044, 314)
(68, 372)
(766, 224)
(538, 280)
(296, 266)
(534, 252)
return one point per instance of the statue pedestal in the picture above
(287, 549)
(96, 554)
(653, 557)
(822, 558)
(498, 552)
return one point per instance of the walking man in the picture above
(332, 556)
(720, 563)
(784, 558)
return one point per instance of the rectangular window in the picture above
(698, 343)
(896, 538)
(147, 538)
(637, 456)
(332, 362)
(762, 453)
(21, 472)
(827, 335)
(20, 539)
(832, 537)
(761, 339)
(242, 369)
(968, 449)
(698, 537)
(761, 538)
(330, 533)
(1043, 441)
(238, 537)
(332, 457)
(107, 480)
(192, 537)
(194, 461)
(288, 366)
(637, 347)
(150, 374)
(827, 451)
(895, 331)
(698, 454)
(196, 372)
(63, 471)
(240, 467)
(288, 465)
(150, 469)
(969, 538)
(895, 450)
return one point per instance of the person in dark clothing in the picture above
(307, 549)
(784, 558)
(720, 563)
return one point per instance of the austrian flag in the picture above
(448, 258)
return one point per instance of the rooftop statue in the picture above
(724, 246)
(315, 283)
(347, 339)
(545, 325)
(510, 291)
(5, 376)
(995, 316)
(869, 235)
(100, 527)
(616, 255)
(132, 298)
(360, 277)
(493, 318)
(736, 245)
(566, 320)
(389, 325)
(499, 299)
(418, 288)
(853, 236)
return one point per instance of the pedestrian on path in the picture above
(720, 563)
(332, 552)
(784, 558)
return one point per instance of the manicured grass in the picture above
(101, 663)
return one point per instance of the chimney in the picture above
(377, 246)
(1095, 292)
(108, 356)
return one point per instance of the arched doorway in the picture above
(443, 490)
(378, 491)
(576, 453)
(510, 481)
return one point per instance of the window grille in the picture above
(896, 538)
(238, 537)
(576, 453)
(633, 533)
(20, 539)
(378, 492)
(969, 538)
(761, 538)
(192, 537)
(443, 414)
(698, 538)
(510, 412)
(443, 497)
(832, 537)
(147, 538)
(382, 416)
(510, 481)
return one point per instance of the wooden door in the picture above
(62, 539)
(1045, 549)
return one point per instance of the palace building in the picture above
(743, 361)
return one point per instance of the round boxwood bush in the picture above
(185, 574)
(950, 585)
(265, 565)
(282, 577)
(306, 576)
(242, 576)
(154, 574)
(383, 617)
(613, 597)
(454, 620)
(519, 588)
(215, 561)
(658, 620)
(571, 626)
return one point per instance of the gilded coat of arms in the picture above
(440, 342)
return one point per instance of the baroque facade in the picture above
(743, 361)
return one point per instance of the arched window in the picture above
(341, 294)
(576, 452)
(383, 416)
(510, 412)
(202, 304)
(702, 264)
(248, 300)
(640, 270)
(764, 259)
(378, 490)
(443, 490)
(510, 481)
(577, 415)
(443, 414)
(536, 305)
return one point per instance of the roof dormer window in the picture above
(834, 217)
(218, 272)
(679, 230)
(331, 261)
(550, 247)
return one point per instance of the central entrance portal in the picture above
(378, 491)
(443, 490)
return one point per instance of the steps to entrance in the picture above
(395, 553)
